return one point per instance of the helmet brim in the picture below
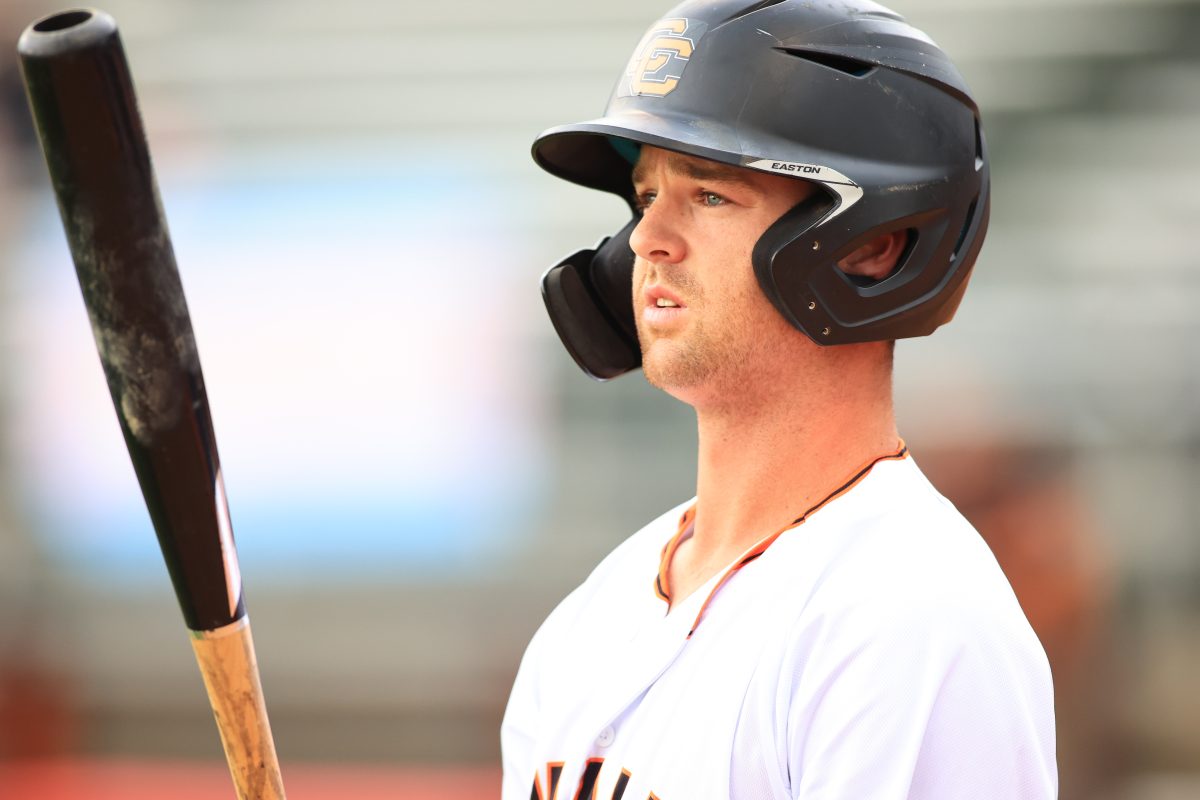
(584, 153)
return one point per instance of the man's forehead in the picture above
(649, 158)
(703, 169)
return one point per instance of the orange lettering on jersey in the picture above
(553, 773)
(587, 782)
(622, 782)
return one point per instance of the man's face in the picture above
(705, 327)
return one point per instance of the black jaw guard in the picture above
(589, 296)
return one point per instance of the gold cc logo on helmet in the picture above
(660, 59)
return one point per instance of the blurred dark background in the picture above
(417, 472)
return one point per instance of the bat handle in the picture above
(230, 670)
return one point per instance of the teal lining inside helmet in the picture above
(625, 148)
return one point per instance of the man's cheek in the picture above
(639, 279)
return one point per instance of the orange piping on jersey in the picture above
(760, 548)
(662, 585)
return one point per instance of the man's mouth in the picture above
(662, 308)
(657, 296)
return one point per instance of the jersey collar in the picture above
(662, 587)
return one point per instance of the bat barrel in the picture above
(82, 98)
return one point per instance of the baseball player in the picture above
(808, 182)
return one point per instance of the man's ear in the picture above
(876, 259)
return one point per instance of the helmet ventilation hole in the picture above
(978, 152)
(850, 66)
(962, 235)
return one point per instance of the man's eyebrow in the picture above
(708, 171)
(700, 170)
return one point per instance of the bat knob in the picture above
(66, 31)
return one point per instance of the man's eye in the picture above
(643, 200)
(711, 199)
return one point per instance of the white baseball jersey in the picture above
(873, 651)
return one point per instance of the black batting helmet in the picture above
(846, 95)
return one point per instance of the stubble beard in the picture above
(685, 358)
(677, 364)
(715, 357)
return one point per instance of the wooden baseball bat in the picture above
(83, 102)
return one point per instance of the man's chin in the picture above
(666, 367)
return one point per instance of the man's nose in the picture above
(657, 237)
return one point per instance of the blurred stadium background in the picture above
(416, 471)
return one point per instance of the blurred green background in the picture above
(417, 472)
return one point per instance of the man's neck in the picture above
(765, 462)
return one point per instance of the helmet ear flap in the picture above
(589, 296)
(784, 288)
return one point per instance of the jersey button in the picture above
(606, 737)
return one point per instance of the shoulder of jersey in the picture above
(642, 547)
(898, 547)
(626, 572)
